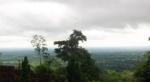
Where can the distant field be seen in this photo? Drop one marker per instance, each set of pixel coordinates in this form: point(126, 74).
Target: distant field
point(118, 59)
point(106, 58)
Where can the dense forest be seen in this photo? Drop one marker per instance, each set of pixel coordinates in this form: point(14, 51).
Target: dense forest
point(70, 62)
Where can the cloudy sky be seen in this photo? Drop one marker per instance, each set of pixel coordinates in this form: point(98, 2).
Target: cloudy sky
point(106, 23)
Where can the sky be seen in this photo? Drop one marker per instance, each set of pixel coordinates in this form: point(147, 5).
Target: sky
point(106, 23)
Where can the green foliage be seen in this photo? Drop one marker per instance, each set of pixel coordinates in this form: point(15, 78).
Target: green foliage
point(127, 76)
point(66, 47)
point(54, 67)
point(81, 67)
point(74, 70)
point(25, 70)
point(113, 76)
point(58, 68)
point(143, 72)
point(60, 74)
point(42, 68)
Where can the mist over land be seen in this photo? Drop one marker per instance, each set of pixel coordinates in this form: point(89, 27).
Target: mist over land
point(112, 58)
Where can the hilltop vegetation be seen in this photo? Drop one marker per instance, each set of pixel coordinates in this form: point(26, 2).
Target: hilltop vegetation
point(72, 63)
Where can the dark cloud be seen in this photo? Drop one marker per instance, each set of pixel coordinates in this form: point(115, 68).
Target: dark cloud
point(25, 17)
point(88, 14)
point(110, 13)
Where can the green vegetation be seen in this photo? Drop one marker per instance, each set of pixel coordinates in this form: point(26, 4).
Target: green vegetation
point(81, 67)
point(143, 72)
point(25, 70)
point(73, 63)
point(113, 76)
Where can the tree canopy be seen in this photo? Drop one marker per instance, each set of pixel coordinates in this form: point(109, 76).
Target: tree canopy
point(39, 43)
point(81, 67)
point(25, 70)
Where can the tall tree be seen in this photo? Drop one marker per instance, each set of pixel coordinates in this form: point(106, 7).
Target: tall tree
point(66, 47)
point(81, 67)
point(39, 43)
point(25, 70)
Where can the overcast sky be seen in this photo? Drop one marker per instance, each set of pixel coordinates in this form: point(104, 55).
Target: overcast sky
point(106, 23)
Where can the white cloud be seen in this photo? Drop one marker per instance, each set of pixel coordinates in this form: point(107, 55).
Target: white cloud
point(127, 37)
